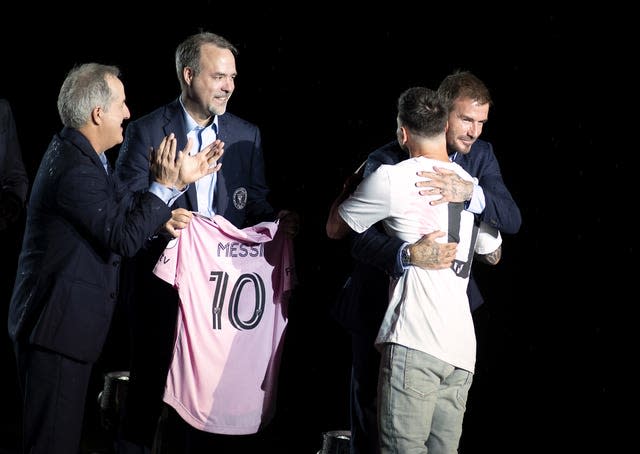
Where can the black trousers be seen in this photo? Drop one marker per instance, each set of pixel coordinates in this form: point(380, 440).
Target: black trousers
point(54, 389)
point(175, 436)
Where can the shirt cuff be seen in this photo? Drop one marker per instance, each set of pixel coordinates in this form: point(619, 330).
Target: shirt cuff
point(167, 195)
point(477, 203)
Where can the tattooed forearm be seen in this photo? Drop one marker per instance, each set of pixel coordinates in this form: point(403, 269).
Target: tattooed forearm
point(491, 258)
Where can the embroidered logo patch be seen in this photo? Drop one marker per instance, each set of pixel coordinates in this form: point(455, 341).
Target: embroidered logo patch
point(240, 198)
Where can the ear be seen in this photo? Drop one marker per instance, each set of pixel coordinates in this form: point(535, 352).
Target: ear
point(404, 135)
point(96, 115)
point(187, 75)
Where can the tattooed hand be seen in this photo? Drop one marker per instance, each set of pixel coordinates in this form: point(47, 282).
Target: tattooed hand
point(429, 254)
point(446, 183)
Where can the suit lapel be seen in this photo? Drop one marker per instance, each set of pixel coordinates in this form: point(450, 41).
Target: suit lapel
point(174, 123)
point(226, 134)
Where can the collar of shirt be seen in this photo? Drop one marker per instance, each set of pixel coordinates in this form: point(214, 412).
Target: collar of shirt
point(105, 162)
point(201, 135)
point(191, 123)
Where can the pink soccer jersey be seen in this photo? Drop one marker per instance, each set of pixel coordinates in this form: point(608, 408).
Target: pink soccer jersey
point(233, 286)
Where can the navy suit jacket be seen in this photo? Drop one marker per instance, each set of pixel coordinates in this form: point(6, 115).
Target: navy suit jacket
point(240, 196)
point(241, 189)
point(240, 193)
point(363, 300)
point(80, 221)
point(152, 304)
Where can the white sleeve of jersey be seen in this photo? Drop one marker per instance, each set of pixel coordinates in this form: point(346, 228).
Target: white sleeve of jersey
point(488, 240)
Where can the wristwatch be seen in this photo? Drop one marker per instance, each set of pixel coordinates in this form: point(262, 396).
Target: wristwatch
point(405, 255)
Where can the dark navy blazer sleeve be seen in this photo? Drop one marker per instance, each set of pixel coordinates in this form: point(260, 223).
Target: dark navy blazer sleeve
point(120, 224)
point(501, 210)
point(132, 165)
point(80, 222)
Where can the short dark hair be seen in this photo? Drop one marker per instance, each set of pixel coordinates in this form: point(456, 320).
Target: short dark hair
point(423, 111)
point(188, 51)
point(463, 84)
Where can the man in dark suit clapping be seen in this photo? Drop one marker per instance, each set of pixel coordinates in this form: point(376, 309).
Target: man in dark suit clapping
point(80, 222)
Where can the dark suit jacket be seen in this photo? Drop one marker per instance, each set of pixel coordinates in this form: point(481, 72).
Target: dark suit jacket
point(241, 189)
point(363, 300)
point(79, 222)
point(240, 196)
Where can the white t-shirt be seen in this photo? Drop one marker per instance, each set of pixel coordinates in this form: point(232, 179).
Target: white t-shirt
point(233, 286)
point(428, 309)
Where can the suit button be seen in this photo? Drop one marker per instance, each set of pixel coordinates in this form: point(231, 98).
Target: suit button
point(112, 295)
point(116, 263)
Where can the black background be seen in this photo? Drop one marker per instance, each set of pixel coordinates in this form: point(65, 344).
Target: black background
point(555, 358)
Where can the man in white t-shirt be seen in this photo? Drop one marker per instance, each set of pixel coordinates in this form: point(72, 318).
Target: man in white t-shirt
point(427, 337)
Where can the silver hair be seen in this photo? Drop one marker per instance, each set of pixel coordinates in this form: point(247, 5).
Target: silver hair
point(84, 89)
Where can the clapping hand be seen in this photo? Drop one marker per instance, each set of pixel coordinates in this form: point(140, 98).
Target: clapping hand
point(176, 169)
point(163, 164)
point(200, 164)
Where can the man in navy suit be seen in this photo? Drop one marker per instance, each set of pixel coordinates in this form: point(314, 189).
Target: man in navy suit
point(364, 297)
point(206, 70)
point(80, 221)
